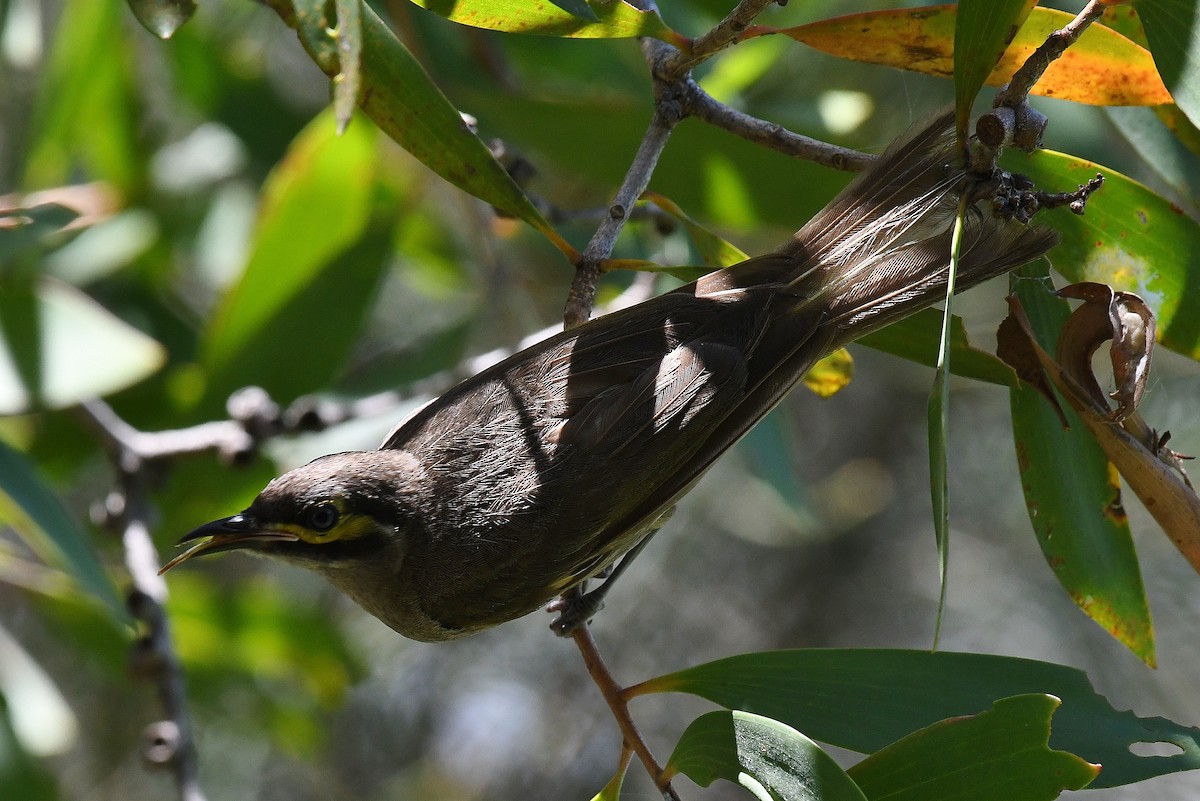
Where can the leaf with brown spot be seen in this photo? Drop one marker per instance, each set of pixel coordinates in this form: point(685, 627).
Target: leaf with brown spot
point(1152, 471)
point(1106, 315)
point(1102, 68)
point(1072, 491)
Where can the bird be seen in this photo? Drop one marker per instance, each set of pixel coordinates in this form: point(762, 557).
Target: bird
point(556, 465)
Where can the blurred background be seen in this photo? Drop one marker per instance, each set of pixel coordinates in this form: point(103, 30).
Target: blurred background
point(815, 531)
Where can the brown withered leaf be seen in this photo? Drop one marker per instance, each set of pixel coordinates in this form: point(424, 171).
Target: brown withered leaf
point(1017, 348)
point(1153, 472)
point(1107, 314)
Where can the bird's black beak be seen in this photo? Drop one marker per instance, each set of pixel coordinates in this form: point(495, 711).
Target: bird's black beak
point(227, 534)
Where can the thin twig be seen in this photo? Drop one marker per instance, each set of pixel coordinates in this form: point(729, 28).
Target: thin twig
point(170, 742)
point(582, 294)
point(1012, 120)
point(726, 32)
point(612, 695)
point(670, 69)
point(772, 135)
point(224, 436)
point(1017, 91)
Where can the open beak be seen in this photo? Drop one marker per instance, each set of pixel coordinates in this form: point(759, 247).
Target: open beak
point(227, 534)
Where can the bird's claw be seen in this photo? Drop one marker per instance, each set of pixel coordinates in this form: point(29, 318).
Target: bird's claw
point(575, 610)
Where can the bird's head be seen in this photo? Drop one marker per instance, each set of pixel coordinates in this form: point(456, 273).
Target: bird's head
point(335, 511)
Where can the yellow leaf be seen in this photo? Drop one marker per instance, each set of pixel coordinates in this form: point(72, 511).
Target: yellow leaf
point(1103, 68)
point(829, 375)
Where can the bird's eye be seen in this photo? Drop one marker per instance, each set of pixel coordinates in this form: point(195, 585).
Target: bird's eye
point(323, 517)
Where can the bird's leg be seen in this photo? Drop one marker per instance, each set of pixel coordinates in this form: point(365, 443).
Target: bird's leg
point(576, 608)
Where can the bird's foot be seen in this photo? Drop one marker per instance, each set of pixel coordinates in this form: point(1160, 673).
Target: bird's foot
point(575, 610)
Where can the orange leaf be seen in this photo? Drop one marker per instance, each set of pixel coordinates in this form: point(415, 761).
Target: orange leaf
point(1103, 68)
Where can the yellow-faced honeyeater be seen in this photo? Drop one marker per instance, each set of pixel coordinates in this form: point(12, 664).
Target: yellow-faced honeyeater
point(546, 469)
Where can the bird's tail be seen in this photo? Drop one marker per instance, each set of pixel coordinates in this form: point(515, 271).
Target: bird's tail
point(880, 250)
point(877, 253)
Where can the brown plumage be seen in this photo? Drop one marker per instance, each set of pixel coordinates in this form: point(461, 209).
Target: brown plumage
point(544, 469)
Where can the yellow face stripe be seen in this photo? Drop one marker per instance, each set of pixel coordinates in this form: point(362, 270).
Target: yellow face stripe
point(349, 527)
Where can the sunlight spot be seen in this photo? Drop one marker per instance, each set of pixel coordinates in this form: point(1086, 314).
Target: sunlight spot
point(843, 111)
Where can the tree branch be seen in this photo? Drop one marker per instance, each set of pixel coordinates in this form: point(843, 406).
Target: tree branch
point(169, 743)
point(772, 135)
point(667, 113)
point(612, 695)
point(1023, 80)
point(670, 69)
point(726, 32)
point(1012, 119)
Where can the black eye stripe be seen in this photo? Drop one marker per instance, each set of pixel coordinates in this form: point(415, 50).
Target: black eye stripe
point(323, 517)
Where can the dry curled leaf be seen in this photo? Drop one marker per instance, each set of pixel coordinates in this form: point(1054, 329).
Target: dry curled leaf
point(1153, 472)
point(1107, 314)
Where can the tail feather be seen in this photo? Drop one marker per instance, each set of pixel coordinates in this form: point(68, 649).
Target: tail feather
point(877, 253)
point(880, 250)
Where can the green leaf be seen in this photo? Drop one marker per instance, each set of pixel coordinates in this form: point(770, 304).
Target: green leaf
point(1073, 495)
point(1173, 33)
point(715, 251)
point(916, 338)
point(938, 412)
point(349, 50)
point(612, 790)
point(33, 509)
point(1129, 238)
point(59, 347)
point(398, 95)
point(769, 759)
point(863, 699)
point(22, 229)
point(319, 251)
point(287, 659)
point(939, 486)
point(86, 123)
point(1161, 149)
point(162, 17)
point(997, 755)
point(983, 30)
point(578, 8)
point(614, 19)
